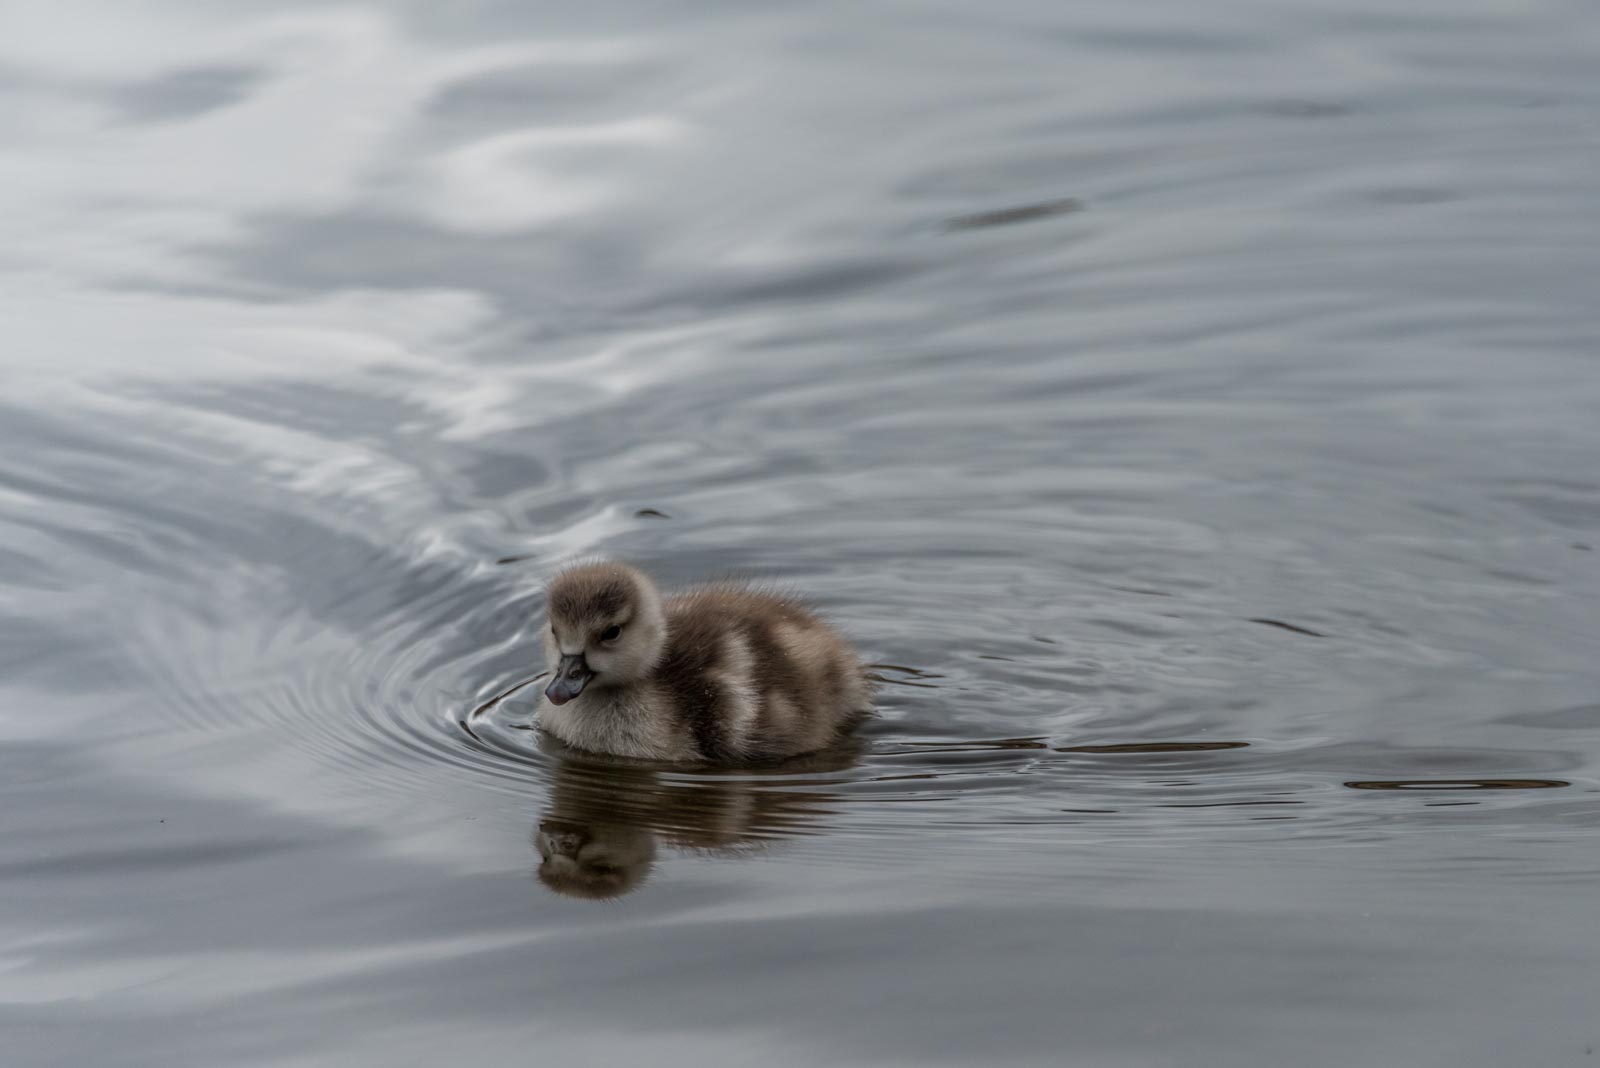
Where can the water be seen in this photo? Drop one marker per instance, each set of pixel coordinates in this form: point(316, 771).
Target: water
point(1190, 410)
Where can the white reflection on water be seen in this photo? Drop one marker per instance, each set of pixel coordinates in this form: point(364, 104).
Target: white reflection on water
point(1193, 411)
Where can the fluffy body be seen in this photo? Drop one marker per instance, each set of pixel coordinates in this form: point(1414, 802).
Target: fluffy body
point(721, 673)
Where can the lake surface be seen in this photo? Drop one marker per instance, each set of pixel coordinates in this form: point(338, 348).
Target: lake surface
point(1192, 410)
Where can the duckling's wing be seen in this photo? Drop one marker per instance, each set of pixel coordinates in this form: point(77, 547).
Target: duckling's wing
point(756, 675)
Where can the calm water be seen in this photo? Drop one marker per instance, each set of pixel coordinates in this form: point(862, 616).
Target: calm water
point(1192, 409)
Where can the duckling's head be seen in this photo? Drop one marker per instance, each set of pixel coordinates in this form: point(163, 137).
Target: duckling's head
point(606, 629)
point(596, 860)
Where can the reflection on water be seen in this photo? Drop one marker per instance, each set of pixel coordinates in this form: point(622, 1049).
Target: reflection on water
point(602, 859)
point(1190, 408)
point(602, 822)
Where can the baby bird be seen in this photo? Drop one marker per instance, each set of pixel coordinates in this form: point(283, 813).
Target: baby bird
point(721, 673)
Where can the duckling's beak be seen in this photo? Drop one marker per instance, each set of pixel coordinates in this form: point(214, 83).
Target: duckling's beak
point(572, 675)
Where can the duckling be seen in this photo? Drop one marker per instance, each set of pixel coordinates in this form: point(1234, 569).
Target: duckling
point(721, 673)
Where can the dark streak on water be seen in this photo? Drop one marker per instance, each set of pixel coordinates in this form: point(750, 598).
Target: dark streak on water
point(1152, 747)
point(1290, 627)
point(332, 331)
point(1458, 784)
point(1012, 216)
point(503, 694)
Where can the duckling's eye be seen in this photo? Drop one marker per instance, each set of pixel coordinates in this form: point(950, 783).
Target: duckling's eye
point(611, 633)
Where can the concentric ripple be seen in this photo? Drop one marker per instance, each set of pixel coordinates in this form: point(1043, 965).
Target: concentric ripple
point(401, 665)
point(1189, 410)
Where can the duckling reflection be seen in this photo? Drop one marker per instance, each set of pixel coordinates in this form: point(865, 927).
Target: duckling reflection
point(604, 823)
point(594, 860)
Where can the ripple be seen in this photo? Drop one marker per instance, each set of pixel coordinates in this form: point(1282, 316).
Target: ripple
point(286, 451)
point(1457, 784)
point(1012, 216)
point(502, 695)
point(1291, 627)
point(401, 669)
point(1152, 747)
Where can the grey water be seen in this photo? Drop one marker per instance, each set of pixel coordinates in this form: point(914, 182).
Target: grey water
point(1191, 410)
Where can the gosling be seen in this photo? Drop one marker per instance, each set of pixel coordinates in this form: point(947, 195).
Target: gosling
point(722, 673)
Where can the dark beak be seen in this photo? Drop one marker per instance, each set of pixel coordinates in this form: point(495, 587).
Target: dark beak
point(572, 675)
point(561, 839)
